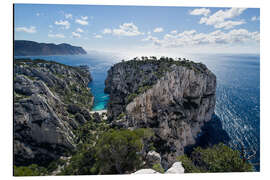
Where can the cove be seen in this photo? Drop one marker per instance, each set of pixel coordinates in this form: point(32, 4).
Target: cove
point(97, 88)
point(98, 66)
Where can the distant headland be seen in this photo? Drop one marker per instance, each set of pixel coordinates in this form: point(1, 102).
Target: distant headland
point(32, 48)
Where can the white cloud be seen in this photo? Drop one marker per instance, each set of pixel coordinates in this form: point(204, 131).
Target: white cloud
point(83, 21)
point(218, 19)
point(84, 17)
point(127, 29)
point(174, 32)
point(77, 35)
point(158, 29)
point(255, 18)
point(68, 16)
point(37, 14)
point(65, 24)
point(98, 36)
point(150, 38)
point(56, 35)
point(200, 11)
point(79, 30)
point(193, 38)
point(229, 24)
point(107, 31)
point(31, 29)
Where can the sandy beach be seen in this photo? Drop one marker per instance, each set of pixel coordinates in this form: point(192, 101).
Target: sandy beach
point(99, 112)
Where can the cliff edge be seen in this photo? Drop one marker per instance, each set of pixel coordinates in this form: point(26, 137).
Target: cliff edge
point(173, 97)
point(51, 100)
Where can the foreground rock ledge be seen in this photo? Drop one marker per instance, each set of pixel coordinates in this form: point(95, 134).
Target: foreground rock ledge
point(176, 168)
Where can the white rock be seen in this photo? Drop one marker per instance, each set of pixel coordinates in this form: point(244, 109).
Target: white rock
point(146, 171)
point(153, 157)
point(176, 168)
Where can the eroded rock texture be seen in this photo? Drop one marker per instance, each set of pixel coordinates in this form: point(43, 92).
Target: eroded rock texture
point(174, 98)
point(51, 100)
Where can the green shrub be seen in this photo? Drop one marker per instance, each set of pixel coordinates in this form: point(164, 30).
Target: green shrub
point(188, 164)
point(145, 133)
point(120, 116)
point(143, 89)
point(219, 158)
point(131, 97)
point(31, 170)
point(117, 152)
point(157, 167)
point(82, 162)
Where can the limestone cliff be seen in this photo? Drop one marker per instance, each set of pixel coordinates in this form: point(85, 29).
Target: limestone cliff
point(51, 100)
point(173, 97)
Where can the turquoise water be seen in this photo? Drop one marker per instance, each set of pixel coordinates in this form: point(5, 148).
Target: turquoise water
point(97, 87)
point(98, 64)
point(238, 92)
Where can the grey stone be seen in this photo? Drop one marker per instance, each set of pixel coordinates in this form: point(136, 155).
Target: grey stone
point(176, 168)
point(43, 129)
point(152, 158)
point(146, 171)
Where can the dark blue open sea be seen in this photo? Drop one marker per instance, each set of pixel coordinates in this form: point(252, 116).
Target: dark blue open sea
point(238, 92)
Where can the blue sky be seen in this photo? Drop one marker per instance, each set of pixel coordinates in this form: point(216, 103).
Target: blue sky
point(141, 29)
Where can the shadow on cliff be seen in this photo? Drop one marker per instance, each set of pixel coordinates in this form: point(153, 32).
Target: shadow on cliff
point(212, 133)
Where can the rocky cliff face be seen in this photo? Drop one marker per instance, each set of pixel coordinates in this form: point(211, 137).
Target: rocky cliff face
point(174, 98)
point(31, 48)
point(51, 100)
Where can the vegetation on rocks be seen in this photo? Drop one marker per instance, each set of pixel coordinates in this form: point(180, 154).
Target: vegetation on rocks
point(51, 101)
point(56, 95)
point(31, 170)
point(113, 151)
point(174, 97)
point(140, 74)
point(157, 167)
point(219, 158)
point(117, 151)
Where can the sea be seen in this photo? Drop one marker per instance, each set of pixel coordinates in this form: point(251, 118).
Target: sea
point(238, 91)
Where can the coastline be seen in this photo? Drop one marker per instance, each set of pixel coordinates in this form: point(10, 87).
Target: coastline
point(99, 111)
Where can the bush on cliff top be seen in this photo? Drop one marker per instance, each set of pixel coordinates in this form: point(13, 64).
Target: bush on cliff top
point(118, 151)
point(82, 162)
point(114, 152)
point(31, 170)
point(219, 158)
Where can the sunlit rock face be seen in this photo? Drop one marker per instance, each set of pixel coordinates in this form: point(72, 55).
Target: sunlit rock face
point(175, 104)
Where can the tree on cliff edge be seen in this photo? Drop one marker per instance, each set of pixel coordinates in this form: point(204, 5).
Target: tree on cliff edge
point(219, 158)
point(117, 151)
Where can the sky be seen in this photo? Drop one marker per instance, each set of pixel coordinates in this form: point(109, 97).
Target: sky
point(143, 30)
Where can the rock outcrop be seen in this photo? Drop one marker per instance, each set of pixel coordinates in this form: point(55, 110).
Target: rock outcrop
point(174, 98)
point(176, 168)
point(51, 100)
point(31, 48)
point(146, 171)
point(152, 158)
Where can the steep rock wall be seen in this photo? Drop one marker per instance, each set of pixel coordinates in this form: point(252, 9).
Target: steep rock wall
point(47, 100)
point(175, 106)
